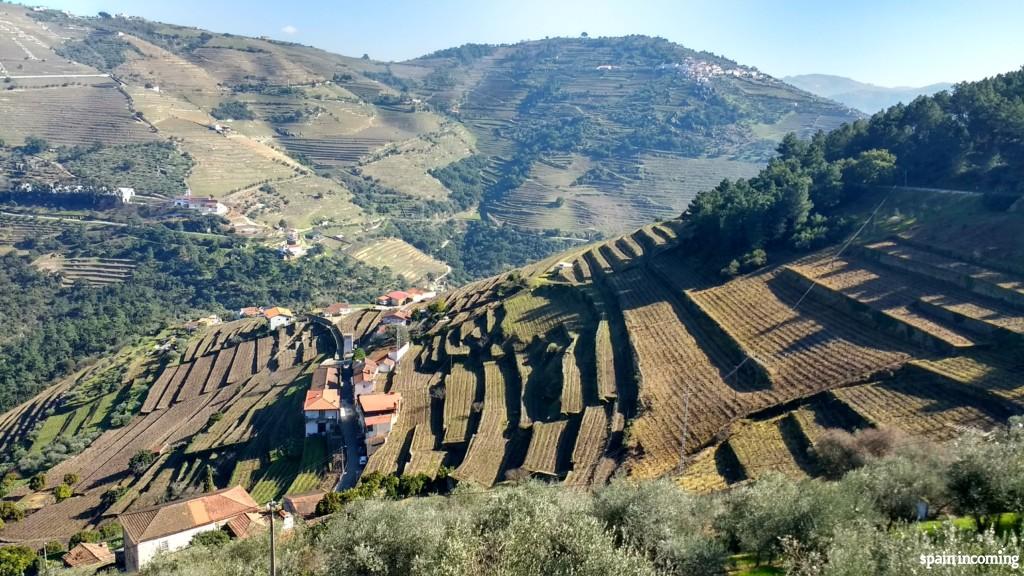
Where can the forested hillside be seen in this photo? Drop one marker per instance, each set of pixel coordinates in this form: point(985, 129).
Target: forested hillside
point(174, 275)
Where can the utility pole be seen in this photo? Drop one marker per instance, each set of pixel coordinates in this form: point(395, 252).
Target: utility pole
point(272, 508)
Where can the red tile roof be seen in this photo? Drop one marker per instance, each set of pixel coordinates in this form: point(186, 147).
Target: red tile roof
point(86, 554)
point(322, 399)
point(324, 376)
point(397, 295)
point(403, 314)
point(378, 419)
point(380, 402)
point(182, 515)
point(243, 525)
point(337, 308)
point(303, 504)
point(277, 311)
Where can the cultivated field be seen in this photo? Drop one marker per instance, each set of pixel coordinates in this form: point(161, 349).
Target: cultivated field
point(402, 258)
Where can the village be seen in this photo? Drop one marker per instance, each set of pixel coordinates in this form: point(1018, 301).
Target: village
point(346, 403)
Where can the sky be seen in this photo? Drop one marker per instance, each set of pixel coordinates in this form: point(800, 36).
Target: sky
point(884, 42)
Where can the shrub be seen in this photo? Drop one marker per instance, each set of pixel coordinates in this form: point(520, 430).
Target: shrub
point(62, 492)
point(213, 538)
point(71, 478)
point(837, 451)
point(141, 461)
point(90, 536)
point(15, 560)
point(11, 511)
point(111, 531)
point(38, 482)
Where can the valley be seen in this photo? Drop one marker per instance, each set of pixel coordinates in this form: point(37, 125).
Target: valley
point(574, 305)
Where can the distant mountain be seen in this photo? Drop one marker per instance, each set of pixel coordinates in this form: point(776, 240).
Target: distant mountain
point(865, 97)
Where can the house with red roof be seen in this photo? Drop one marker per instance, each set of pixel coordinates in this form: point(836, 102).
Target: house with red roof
point(325, 376)
point(363, 376)
point(171, 526)
point(419, 294)
point(92, 555)
point(393, 298)
point(322, 410)
point(278, 316)
point(250, 312)
point(377, 416)
point(337, 309)
point(395, 318)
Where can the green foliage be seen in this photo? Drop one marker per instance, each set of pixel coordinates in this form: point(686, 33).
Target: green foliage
point(177, 276)
point(942, 140)
point(111, 496)
point(211, 538)
point(11, 511)
point(232, 110)
point(141, 461)
point(38, 482)
point(811, 527)
point(209, 485)
point(53, 548)
point(438, 306)
point(151, 167)
point(358, 355)
point(15, 560)
point(33, 145)
point(100, 49)
point(89, 536)
point(465, 180)
point(466, 53)
point(111, 531)
point(331, 503)
point(62, 492)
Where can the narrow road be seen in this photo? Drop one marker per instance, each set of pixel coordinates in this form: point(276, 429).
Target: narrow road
point(350, 431)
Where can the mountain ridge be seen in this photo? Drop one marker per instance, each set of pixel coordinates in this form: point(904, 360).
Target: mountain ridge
point(863, 96)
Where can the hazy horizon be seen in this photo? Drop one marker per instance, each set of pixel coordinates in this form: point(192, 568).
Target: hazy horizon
point(919, 43)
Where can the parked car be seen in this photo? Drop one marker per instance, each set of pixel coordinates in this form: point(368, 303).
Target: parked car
point(362, 460)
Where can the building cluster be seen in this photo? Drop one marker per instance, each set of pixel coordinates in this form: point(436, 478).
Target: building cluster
point(398, 298)
point(202, 205)
point(702, 70)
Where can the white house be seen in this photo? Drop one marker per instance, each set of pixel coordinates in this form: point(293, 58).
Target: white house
point(397, 353)
point(377, 416)
point(363, 377)
point(169, 527)
point(322, 410)
point(394, 318)
point(126, 195)
point(202, 205)
point(338, 309)
point(419, 294)
point(278, 316)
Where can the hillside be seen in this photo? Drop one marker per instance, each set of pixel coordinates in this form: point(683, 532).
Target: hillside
point(561, 139)
point(720, 346)
point(867, 98)
point(629, 357)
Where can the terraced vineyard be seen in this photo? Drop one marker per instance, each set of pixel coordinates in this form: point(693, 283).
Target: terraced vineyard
point(404, 259)
point(848, 342)
point(183, 416)
point(71, 116)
